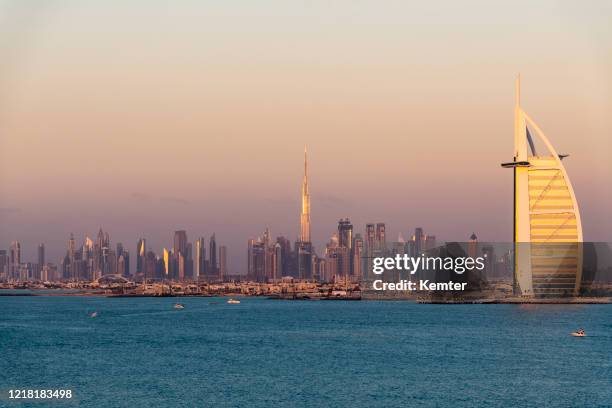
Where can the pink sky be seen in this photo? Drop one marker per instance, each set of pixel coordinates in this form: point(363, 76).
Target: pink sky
point(146, 118)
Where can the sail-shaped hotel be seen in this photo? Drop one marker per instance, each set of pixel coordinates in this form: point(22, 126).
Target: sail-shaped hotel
point(547, 227)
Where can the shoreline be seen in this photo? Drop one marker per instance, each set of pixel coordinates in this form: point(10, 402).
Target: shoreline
point(510, 300)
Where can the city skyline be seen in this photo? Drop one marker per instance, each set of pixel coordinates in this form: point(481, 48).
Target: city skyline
point(190, 118)
point(182, 262)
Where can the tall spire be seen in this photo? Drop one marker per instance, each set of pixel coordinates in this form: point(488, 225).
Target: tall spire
point(305, 217)
point(517, 90)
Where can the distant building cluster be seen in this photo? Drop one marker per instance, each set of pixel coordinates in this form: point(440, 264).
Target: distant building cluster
point(91, 260)
point(346, 258)
point(13, 269)
point(184, 261)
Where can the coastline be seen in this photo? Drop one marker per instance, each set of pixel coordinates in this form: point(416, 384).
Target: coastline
point(308, 297)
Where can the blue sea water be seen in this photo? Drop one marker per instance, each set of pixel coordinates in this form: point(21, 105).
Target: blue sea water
point(140, 352)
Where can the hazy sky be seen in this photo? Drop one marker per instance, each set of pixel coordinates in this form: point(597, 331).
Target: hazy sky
point(148, 116)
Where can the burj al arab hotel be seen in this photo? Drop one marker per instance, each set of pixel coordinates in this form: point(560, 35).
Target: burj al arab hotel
point(547, 227)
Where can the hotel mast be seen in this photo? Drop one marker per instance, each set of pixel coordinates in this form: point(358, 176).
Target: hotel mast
point(547, 227)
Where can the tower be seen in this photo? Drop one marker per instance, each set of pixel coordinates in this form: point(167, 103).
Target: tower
point(14, 259)
point(140, 255)
point(547, 227)
point(180, 242)
point(222, 262)
point(212, 255)
point(200, 259)
point(303, 246)
point(305, 217)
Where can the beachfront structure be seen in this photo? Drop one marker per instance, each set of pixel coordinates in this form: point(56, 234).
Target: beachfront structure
point(547, 227)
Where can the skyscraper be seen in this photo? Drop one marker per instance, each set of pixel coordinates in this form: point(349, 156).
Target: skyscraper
point(180, 242)
point(257, 261)
point(304, 250)
point(345, 233)
point(167, 259)
point(4, 263)
point(473, 246)
point(141, 250)
point(305, 216)
point(381, 236)
point(357, 257)
point(345, 245)
point(14, 259)
point(41, 259)
point(419, 238)
point(370, 236)
point(200, 259)
point(222, 262)
point(212, 254)
point(547, 226)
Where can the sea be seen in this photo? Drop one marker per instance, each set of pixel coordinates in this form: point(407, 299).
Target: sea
point(142, 352)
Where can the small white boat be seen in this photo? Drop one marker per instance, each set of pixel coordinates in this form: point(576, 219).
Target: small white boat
point(179, 306)
point(233, 301)
point(579, 333)
point(94, 314)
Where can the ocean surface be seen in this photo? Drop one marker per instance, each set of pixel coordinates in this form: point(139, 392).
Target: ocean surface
point(140, 352)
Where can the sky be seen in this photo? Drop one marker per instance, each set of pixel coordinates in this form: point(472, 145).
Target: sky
point(144, 117)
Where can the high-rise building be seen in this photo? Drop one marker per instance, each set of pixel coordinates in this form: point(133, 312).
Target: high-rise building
point(222, 262)
point(14, 259)
point(277, 269)
point(141, 250)
point(212, 254)
point(287, 257)
point(345, 245)
point(473, 246)
point(40, 261)
point(181, 266)
point(303, 248)
point(4, 263)
point(418, 238)
point(123, 269)
point(305, 216)
point(257, 262)
point(370, 236)
point(337, 261)
point(345, 233)
point(547, 226)
point(41, 255)
point(357, 257)
point(200, 259)
point(150, 266)
point(167, 259)
point(304, 253)
point(72, 246)
point(381, 236)
point(180, 242)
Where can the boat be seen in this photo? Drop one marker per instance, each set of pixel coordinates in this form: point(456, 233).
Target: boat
point(94, 314)
point(179, 306)
point(579, 333)
point(233, 301)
